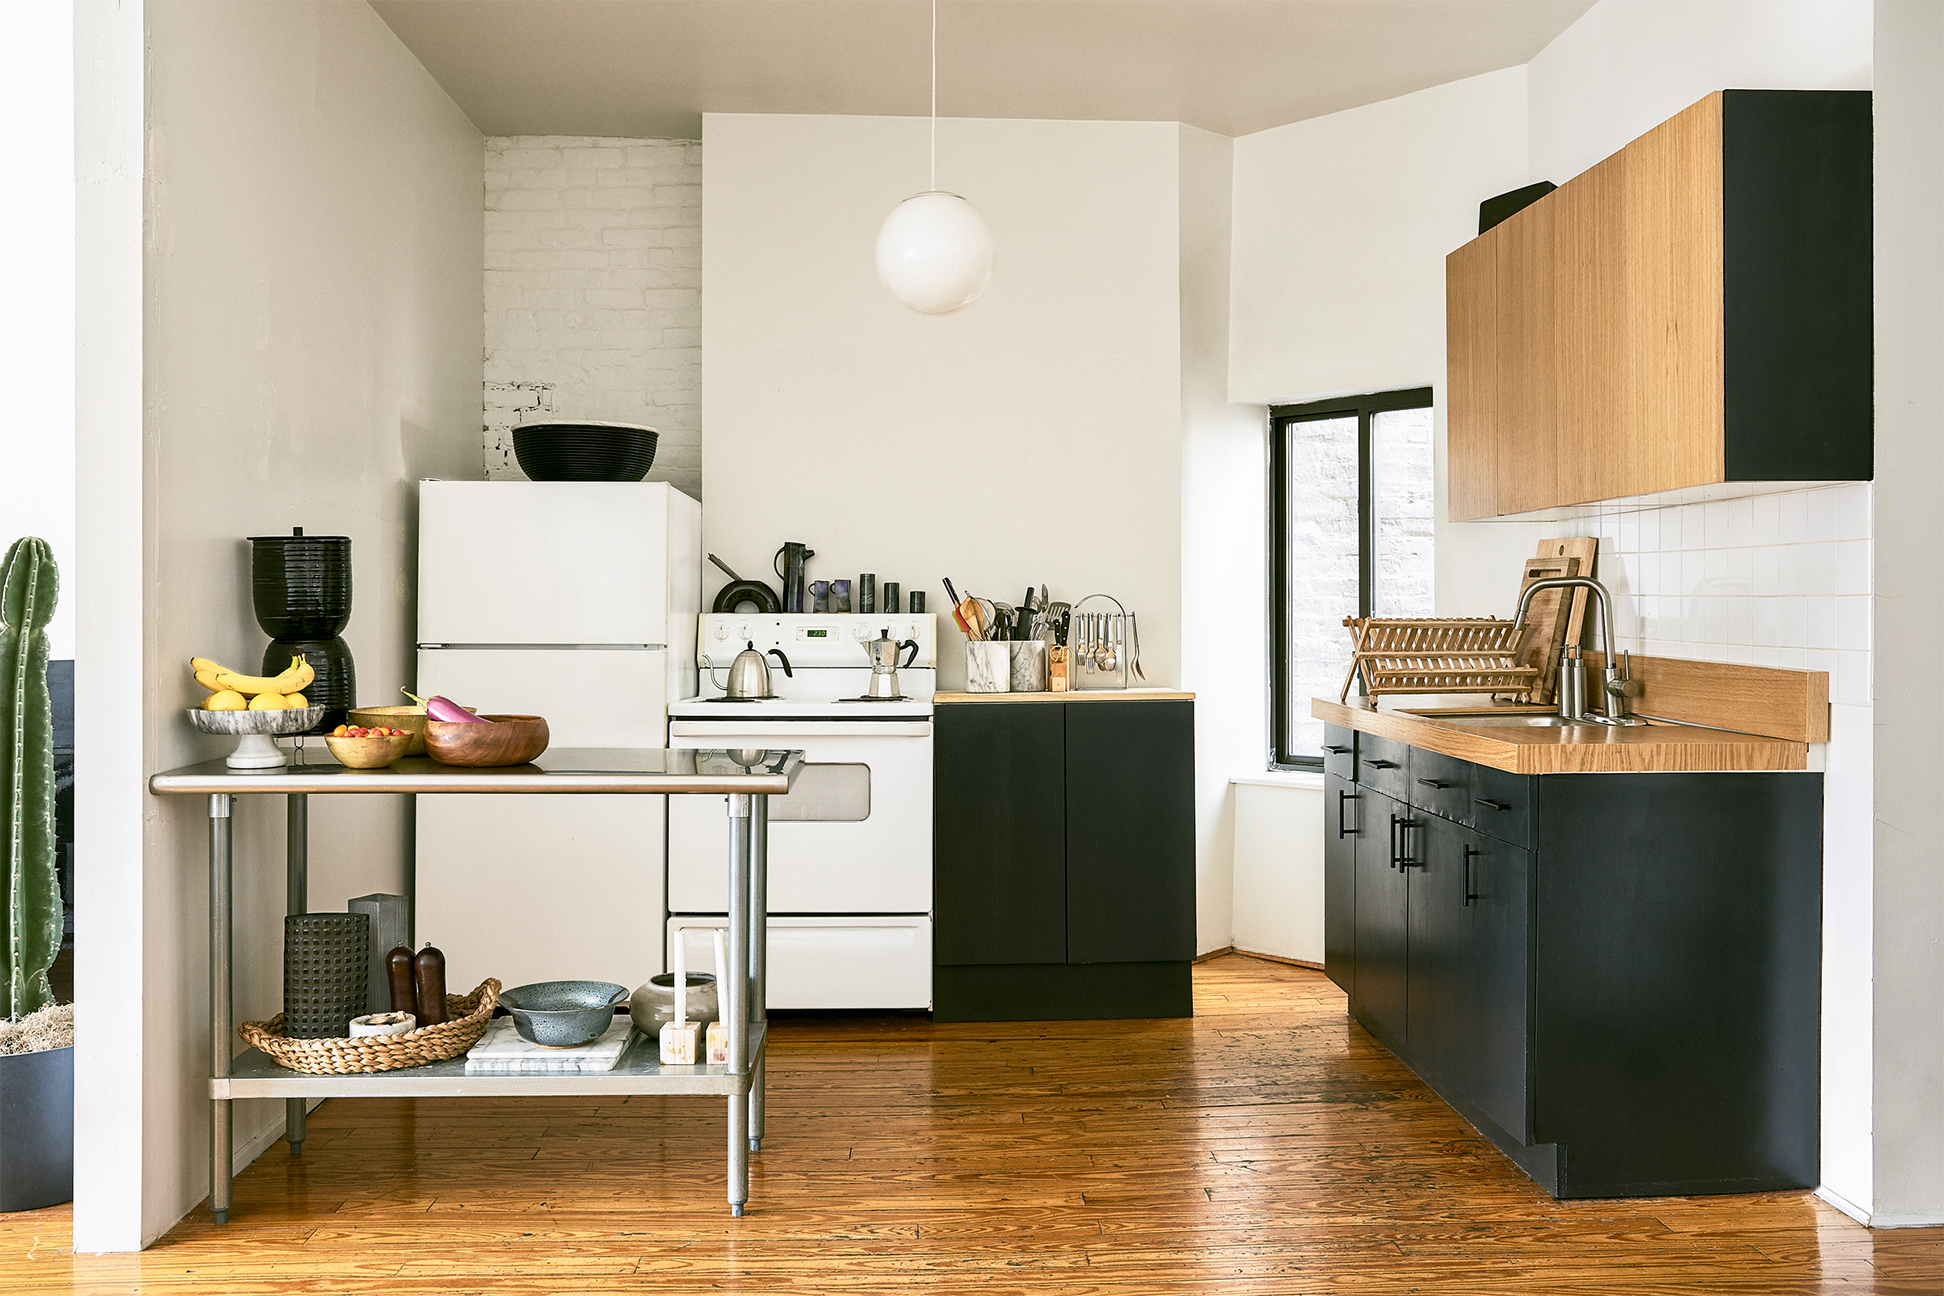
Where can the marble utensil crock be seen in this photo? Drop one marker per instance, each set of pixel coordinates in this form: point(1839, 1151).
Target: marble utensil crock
point(988, 666)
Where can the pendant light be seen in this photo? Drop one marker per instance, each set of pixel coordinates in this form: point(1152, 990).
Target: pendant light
point(934, 251)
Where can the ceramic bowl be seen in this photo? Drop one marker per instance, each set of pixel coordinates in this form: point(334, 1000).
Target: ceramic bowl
point(409, 718)
point(653, 1001)
point(368, 753)
point(509, 740)
point(238, 723)
point(562, 1014)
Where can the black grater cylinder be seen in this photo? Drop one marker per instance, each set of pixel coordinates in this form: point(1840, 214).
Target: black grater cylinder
point(327, 964)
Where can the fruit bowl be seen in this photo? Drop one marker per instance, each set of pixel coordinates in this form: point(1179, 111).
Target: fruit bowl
point(257, 729)
point(509, 740)
point(369, 753)
point(409, 718)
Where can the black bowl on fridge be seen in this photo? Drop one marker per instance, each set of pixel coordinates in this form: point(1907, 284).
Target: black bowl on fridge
point(585, 452)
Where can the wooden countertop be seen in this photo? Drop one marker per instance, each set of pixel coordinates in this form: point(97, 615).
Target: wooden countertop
point(1071, 695)
point(1570, 749)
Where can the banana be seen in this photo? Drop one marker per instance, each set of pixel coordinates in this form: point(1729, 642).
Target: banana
point(267, 702)
point(202, 664)
point(207, 679)
point(293, 680)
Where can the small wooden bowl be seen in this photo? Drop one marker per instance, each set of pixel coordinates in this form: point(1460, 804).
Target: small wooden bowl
point(509, 740)
point(409, 718)
point(368, 753)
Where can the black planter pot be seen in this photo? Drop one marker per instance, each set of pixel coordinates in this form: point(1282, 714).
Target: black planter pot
point(36, 1129)
point(301, 585)
point(336, 686)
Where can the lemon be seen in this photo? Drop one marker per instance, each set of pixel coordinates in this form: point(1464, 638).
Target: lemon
point(225, 700)
point(267, 702)
point(296, 701)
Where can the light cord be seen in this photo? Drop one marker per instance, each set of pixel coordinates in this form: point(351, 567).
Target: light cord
point(934, 115)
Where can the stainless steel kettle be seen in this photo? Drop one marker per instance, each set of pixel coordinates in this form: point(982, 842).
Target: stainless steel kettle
point(749, 673)
point(883, 652)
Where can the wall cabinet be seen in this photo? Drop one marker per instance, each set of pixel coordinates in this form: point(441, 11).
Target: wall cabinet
point(1694, 309)
point(1063, 860)
point(1613, 976)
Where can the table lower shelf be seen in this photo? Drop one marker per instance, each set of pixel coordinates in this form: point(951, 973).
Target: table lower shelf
point(254, 1075)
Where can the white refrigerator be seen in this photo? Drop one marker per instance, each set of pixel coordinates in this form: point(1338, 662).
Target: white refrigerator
point(576, 601)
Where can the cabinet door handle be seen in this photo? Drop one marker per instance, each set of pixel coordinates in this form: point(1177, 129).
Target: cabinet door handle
point(1404, 859)
point(1470, 895)
point(1439, 784)
point(1489, 804)
point(1381, 764)
point(1393, 841)
point(1342, 797)
point(1336, 751)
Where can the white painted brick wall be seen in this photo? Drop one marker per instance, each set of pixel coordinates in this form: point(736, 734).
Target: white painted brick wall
point(594, 291)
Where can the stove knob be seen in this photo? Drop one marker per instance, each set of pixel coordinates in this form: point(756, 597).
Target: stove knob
point(863, 634)
point(742, 631)
point(721, 631)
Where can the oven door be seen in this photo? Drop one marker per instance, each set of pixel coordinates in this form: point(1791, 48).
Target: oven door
point(853, 836)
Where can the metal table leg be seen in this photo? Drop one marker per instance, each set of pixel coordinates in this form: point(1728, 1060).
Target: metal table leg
point(758, 954)
point(297, 870)
point(220, 1024)
point(735, 1008)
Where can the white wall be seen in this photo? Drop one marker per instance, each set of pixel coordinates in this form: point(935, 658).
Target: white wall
point(1224, 644)
point(1279, 827)
point(37, 283)
point(1342, 225)
point(594, 292)
point(313, 312)
point(1033, 437)
point(1908, 1011)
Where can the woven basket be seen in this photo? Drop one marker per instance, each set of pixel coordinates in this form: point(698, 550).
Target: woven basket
point(468, 1018)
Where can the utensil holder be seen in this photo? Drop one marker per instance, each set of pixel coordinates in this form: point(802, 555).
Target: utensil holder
point(988, 666)
point(1027, 660)
point(327, 965)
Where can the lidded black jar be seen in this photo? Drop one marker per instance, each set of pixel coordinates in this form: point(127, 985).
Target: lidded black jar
point(300, 587)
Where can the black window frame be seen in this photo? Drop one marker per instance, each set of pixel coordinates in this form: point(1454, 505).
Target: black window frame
point(1280, 418)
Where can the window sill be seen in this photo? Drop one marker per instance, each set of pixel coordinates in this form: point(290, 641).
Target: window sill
point(1281, 779)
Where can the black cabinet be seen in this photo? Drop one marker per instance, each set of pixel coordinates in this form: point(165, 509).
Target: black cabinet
point(1343, 817)
point(1615, 977)
point(1064, 860)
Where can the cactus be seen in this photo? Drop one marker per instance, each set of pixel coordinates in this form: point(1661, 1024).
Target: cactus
point(29, 586)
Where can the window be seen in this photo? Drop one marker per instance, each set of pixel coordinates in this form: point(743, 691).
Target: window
point(1350, 534)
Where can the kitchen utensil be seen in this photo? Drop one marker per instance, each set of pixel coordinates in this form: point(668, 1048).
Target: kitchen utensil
point(585, 451)
point(653, 1001)
point(256, 729)
point(883, 652)
point(1106, 647)
point(428, 984)
point(739, 591)
point(788, 564)
point(988, 622)
point(326, 965)
point(509, 740)
point(1002, 622)
point(749, 673)
point(563, 1014)
point(988, 667)
point(368, 753)
point(867, 592)
point(889, 597)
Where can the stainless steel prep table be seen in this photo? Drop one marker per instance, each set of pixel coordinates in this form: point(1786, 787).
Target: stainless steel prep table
point(747, 778)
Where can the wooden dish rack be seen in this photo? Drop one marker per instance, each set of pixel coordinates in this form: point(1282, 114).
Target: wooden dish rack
point(1436, 655)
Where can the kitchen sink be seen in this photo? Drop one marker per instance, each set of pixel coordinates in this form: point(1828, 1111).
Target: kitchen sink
point(1523, 720)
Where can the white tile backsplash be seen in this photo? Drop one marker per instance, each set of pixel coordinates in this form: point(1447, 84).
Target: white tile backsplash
point(1765, 580)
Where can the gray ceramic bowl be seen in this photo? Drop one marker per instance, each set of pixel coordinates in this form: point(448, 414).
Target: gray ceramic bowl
point(562, 1014)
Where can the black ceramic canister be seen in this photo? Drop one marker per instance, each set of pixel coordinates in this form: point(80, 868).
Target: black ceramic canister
point(300, 587)
point(890, 596)
point(917, 601)
point(867, 592)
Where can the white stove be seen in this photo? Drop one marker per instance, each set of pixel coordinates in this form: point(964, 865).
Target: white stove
point(850, 847)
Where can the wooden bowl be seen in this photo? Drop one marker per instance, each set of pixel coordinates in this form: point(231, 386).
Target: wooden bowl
point(509, 740)
point(409, 718)
point(368, 753)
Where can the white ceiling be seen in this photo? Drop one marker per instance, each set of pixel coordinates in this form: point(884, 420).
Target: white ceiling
point(651, 68)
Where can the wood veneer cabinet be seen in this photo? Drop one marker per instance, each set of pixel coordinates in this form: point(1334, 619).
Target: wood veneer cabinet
point(1695, 309)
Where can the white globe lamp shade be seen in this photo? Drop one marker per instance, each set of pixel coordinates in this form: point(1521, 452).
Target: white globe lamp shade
point(934, 253)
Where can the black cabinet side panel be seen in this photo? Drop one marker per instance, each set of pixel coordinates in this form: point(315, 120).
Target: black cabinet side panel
point(1342, 806)
point(1130, 831)
point(1382, 894)
point(1677, 981)
point(999, 833)
point(1797, 290)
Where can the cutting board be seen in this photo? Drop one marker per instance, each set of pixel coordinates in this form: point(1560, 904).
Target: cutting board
point(1556, 618)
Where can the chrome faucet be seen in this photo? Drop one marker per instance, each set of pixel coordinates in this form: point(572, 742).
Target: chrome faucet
point(1617, 682)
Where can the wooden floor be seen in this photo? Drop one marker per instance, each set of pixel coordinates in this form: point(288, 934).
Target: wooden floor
point(1266, 1146)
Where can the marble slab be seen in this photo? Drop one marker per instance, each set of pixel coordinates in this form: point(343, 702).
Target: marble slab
point(501, 1051)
